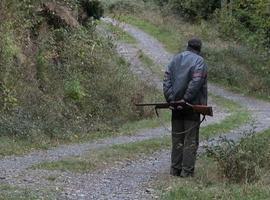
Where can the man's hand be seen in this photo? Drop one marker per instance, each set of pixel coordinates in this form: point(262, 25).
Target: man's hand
point(182, 101)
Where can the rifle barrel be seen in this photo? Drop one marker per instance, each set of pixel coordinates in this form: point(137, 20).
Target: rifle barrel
point(202, 109)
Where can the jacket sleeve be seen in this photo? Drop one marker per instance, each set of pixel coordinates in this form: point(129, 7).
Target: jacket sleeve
point(167, 83)
point(198, 78)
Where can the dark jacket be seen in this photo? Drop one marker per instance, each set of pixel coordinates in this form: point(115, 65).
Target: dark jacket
point(186, 78)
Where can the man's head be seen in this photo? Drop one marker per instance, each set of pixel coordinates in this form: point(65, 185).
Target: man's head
point(195, 44)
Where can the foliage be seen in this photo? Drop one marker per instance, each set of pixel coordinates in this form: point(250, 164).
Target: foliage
point(93, 8)
point(192, 9)
point(58, 81)
point(124, 6)
point(247, 22)
point(241, 162)
point(200, 191)
point(255, 16)
point(74, 90)
point(235, 65)
point(244, 20)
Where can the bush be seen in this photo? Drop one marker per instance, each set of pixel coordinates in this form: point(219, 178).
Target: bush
point(60, 81)
point(246, 22)
point(123, 6)
point(241, 162)
point(74, 90)
point(255, 17)
point(93, 8)
point(194, 9)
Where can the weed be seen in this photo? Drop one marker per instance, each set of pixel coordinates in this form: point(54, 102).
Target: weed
point(207, 184)
point(241, 162)
point(74, 90)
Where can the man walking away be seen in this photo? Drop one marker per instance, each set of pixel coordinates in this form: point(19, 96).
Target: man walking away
point(185, 80)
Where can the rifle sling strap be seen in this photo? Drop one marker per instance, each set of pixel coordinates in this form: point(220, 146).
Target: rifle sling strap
point(179, 133)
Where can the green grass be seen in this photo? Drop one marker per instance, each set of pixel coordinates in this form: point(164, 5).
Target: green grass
point(208, 184)
point(192, 190)
point(23, 145)
point(119, 34)
point(149, 63)
point(129, 128)
point(8, 192)
point(232, 65)
point(106, 157)
point(238, 116)
point(19, 145)
point(170, 39)
point(116, 153)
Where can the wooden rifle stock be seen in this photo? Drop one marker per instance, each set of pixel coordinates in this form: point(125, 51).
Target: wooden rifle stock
point(202, 109)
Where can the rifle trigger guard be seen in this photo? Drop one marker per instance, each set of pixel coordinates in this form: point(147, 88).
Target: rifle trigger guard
point(156, 110)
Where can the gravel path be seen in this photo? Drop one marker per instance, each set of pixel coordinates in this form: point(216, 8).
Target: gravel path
point(128, 180)
point(155, 50)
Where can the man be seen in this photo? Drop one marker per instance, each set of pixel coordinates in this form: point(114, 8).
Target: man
point(186, 81)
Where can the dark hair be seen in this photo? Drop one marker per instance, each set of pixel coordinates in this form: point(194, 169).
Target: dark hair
point(195, 44)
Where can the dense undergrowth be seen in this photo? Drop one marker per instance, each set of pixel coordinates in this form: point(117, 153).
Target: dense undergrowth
point(241, 64)
point(59, 79)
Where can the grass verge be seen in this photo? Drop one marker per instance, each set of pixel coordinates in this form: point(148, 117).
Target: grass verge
point(14, 193)
point(232, 65)
point(149, 63)
point(238, 117)
point(118, 153)
point(170, 39)
point(119, 34)
point(102, 158)
point(208, 184)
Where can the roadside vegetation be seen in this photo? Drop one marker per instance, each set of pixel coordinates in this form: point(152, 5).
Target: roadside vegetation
point(13, 193)
point(117, 33)
point(61, 80)
point(149, 64)
point(236, 46)
point(230, 171)
point(117, 154)
point(238, 116)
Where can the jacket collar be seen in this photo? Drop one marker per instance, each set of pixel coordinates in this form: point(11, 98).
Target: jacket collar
point(193, 51)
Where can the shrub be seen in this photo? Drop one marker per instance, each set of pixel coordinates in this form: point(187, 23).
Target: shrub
point(60, 81)
point(194, 9)
point(247, 22)
point(74, 90)
point(255, 17)
point(241, 162)
point(123, 6)
point(93, 8)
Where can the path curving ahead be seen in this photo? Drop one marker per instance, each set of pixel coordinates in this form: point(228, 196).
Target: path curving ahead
point(260, 110)
point(129, 180)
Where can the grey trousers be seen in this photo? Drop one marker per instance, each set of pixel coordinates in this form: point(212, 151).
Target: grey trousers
point(184, 146)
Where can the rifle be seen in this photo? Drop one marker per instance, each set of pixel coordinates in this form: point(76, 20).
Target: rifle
point(202, 109)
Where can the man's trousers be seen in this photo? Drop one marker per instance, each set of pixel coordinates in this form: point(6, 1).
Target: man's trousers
point(185, 142)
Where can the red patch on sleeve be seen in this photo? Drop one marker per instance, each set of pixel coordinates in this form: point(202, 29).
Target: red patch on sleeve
point(203, 75)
